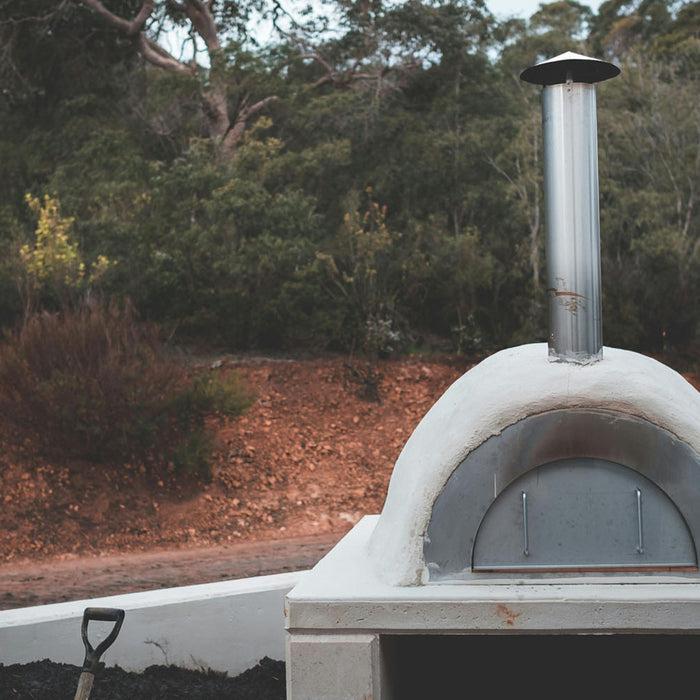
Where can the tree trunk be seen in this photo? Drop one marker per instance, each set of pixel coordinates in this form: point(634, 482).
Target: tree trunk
point(221, 127)
point(216, 113)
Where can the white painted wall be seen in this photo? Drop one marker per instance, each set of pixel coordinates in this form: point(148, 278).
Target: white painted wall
point(225, 626)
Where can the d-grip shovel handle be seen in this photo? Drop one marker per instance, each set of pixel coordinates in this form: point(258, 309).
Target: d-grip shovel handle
point(92, 656)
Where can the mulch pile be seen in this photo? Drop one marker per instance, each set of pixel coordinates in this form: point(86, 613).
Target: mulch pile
point(46, 680)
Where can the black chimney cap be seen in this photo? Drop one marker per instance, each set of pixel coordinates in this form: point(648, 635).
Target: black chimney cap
point(569, 65)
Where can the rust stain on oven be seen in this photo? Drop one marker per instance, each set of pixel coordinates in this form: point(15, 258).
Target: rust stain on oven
point(509, 617)
point(571, 301)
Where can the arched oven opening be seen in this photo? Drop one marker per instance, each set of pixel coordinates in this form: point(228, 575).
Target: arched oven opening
point(569, 491)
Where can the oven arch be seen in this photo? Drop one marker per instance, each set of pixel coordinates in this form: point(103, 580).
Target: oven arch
point(618, 444)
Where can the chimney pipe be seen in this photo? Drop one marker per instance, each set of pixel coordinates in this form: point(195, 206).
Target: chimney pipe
point(571, 196)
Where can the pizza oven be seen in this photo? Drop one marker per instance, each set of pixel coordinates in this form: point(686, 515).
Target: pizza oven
point(549, 502)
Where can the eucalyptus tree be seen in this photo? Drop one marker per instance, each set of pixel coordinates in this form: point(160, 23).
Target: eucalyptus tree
point(621, 25)
point(650, 215)
point(213, 34)
point(422, 90)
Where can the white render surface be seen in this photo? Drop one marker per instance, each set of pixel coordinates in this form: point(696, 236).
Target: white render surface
point(333, 667)
point(225, 626)
point(503, 389)
point(344, 595)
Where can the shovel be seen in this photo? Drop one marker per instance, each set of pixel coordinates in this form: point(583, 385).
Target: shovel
point(91, 665)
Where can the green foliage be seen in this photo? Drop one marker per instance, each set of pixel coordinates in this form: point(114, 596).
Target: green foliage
point(362, 279)
point(621, 26)
point(651, 164)
point(204, 396)
point(212, 394)
point(52, 263)
point(96, 384)
point(267, 243)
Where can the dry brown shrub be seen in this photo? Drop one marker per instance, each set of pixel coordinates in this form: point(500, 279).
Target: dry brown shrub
point(97, 384)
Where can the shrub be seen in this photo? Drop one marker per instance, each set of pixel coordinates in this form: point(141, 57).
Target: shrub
point(364, 280)
point(97, 384)
point(53, 265)
point(203, 396)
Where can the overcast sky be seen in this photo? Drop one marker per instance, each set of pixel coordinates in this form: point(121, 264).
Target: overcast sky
point(526, 8)
point(500, 8)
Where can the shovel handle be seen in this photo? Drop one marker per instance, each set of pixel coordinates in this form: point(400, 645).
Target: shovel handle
point(84, 686)
point(92, 656)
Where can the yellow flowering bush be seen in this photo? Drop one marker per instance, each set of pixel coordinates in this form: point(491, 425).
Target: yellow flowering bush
point(53, 262)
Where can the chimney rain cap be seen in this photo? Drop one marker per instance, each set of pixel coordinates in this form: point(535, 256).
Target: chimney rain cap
point(580, 69)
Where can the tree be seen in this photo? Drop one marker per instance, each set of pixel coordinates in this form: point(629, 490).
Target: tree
point(683, 35)
point(59, 77)
point(382, 43)
point(228, 103)
point(650, 219)
point(622, 25)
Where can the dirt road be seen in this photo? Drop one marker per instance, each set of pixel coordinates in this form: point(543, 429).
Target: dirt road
point(59, 579)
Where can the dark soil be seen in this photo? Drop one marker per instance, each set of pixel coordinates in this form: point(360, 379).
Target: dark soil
point(46, 680)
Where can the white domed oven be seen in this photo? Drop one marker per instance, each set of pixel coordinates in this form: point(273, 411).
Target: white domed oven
point(548, 503)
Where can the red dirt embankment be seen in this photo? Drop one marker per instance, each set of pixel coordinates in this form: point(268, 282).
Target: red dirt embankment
point(312, 455)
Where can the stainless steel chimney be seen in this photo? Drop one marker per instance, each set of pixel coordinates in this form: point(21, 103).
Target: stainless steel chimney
point(571, 193)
